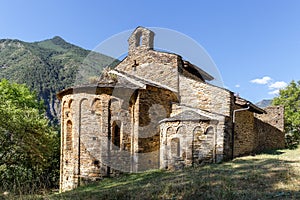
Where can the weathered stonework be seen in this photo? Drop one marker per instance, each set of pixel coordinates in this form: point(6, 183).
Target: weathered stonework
point(274, 117)
point(270, 128)
point(245, 136)
point(257, 132)
point(185, 143)
point(155, 110)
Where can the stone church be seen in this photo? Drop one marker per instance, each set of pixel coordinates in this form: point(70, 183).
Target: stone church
point(156, 110)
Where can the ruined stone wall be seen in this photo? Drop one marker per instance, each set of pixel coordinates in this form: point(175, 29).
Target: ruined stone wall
point(274, 116)
point(204, 96)
point(270, 137)
point(258, 132)
point(270, 128)
point(184, 143)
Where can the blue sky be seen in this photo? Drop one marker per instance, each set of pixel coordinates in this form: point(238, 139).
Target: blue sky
point(255, 44)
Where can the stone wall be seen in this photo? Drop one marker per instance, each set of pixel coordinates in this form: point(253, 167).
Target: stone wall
point(274, 116)
point(153, 66)
point(269, 136)
point(67, 179)
point(270, 128)
point(79, 162)
point(224, 130)
point(155, 105)
point(103, 134)
point(215, 102)
point(120, 134)
point(224, 139)
point(90, 120)
point(258, 132)
point(204, 96)
point(184, 143)
point(245, 137)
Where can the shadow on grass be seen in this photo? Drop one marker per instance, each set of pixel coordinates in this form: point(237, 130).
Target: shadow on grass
point(274, 152)
point(243, 178)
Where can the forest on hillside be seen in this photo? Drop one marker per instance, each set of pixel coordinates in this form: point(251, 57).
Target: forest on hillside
point(49, 66)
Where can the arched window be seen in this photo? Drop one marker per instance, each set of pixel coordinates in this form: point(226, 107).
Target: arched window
point(175, 147)
point(96, 106)
point(209, 131)
point(181, 130)
point(198, 131)
point(65, 105)
point(170, 131)
point(69, 136)
point(116, 134)
point(70, 103)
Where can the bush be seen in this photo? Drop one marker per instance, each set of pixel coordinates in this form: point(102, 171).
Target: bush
point(29, 146)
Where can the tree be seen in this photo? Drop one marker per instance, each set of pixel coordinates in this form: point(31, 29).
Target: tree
point(290, 99)
point(28, 145)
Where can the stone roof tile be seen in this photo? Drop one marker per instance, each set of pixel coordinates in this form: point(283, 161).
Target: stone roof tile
point(187, 116)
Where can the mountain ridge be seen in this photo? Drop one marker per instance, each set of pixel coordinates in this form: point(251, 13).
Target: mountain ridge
point(49, 66)
point(264, 103)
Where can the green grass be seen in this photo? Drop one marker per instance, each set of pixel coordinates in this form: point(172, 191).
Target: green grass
point(273, 175)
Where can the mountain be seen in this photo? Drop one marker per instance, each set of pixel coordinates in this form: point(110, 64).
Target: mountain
point(49, 66)
point(264, 103)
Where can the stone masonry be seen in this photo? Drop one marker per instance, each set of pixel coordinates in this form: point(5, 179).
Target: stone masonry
point(156, 110)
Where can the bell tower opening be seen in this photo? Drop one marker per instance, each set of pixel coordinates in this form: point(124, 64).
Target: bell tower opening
point(141, 39)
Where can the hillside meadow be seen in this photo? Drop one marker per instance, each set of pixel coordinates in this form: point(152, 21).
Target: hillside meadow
point(271, 175)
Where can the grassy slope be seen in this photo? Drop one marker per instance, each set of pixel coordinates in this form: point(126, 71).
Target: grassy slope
point(274, 175)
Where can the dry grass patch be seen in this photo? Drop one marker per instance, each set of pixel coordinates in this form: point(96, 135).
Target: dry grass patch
point(272, 175)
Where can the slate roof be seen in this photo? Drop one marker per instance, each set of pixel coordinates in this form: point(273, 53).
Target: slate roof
point(193, 69)
point(114, 79)
point(188, 115)
point(244, 103)
point(140, 80)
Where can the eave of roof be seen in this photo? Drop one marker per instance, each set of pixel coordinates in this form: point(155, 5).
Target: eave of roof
point(94, 89)
point(188, 115)
point(244, 103)
point(205, 75)
point(135, 79)
point(124, 81)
